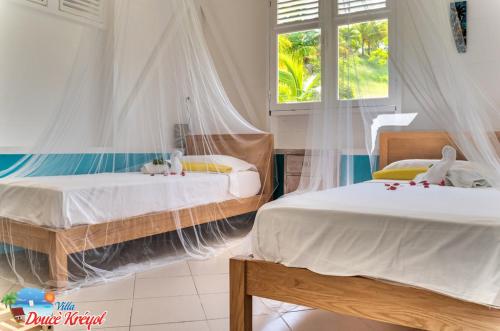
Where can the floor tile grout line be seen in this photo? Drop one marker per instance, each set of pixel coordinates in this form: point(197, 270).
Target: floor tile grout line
point(145, 298)
point(107, 300)
point(170, 323)
point(164, 277)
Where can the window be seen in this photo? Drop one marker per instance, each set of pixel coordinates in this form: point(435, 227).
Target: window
point(296, 55)
point(299, 67)
point(363, 53)
point(364, 40)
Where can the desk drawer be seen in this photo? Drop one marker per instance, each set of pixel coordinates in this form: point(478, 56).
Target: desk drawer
point(295, 164)
point(291, 183)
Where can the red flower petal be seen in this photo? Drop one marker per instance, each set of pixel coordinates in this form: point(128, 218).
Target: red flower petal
point(392, 188)
point(387, 184)
point(183, 173)
point(396, 184)
point(412, 183)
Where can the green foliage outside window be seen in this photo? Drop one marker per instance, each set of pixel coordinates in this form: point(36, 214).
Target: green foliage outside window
point(363, 60)
point(299, 67)
point(363, 70)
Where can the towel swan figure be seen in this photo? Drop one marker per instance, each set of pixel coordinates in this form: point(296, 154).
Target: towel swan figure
point(176, 162)
point(437, 172)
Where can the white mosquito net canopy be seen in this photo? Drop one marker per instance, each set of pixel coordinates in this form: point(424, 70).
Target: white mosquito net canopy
point(391, 66)
point(144, 160)
point(385, 65)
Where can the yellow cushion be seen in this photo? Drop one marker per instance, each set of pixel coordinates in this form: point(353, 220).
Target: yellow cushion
point(206, 167)
point(399, 174)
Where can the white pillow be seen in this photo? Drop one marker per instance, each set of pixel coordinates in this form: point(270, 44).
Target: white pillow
point(235, 163)
point(423, 163)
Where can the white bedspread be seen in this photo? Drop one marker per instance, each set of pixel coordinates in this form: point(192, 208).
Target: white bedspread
point(65, 201)
point(444, 239)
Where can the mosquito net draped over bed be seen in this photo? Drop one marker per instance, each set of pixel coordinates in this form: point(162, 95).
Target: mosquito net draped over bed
point(402, 65)
point(399, 65)
point(144, 160)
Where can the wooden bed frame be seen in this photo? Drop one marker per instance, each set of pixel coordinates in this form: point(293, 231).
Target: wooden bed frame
point(359, 296)
point(60, 243)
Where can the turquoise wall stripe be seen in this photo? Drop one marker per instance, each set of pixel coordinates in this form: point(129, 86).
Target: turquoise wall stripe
point(79, 164)
point(8, 160)
point(359, 165)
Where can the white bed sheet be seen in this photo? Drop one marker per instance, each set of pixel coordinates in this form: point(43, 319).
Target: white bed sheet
point(66, 201)
point(444, 239)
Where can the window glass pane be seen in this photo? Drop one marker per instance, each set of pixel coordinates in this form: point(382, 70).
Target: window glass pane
point(299, 67)
point(363, 69)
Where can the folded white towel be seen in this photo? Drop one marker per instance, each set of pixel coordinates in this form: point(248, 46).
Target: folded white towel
point(466, 176)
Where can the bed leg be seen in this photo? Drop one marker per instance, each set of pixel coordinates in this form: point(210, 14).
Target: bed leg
point(58, 261)
point(240, 302)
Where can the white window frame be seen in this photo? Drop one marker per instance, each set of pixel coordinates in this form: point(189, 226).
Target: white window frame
point(277, 29)
point(392, 102)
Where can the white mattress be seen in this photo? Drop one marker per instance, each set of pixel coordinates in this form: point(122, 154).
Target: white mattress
point(66, 201)
point(444, 239)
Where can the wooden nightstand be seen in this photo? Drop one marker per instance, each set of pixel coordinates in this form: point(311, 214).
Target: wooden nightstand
point(294, 161)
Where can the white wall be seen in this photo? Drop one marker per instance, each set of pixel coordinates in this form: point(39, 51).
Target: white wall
point(36, 55)
point(482, 60)
point(37, 51)
point(237, 35)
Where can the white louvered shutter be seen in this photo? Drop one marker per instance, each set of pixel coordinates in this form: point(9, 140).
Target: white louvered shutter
point(91, 9)
point(290, 11)
point(40, 2)
point(355, 6)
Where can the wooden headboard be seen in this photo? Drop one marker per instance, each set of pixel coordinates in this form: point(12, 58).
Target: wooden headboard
point(256, 149)
point(395, 146)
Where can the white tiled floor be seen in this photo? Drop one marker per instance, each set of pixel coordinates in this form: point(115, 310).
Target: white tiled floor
point(193, 296)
